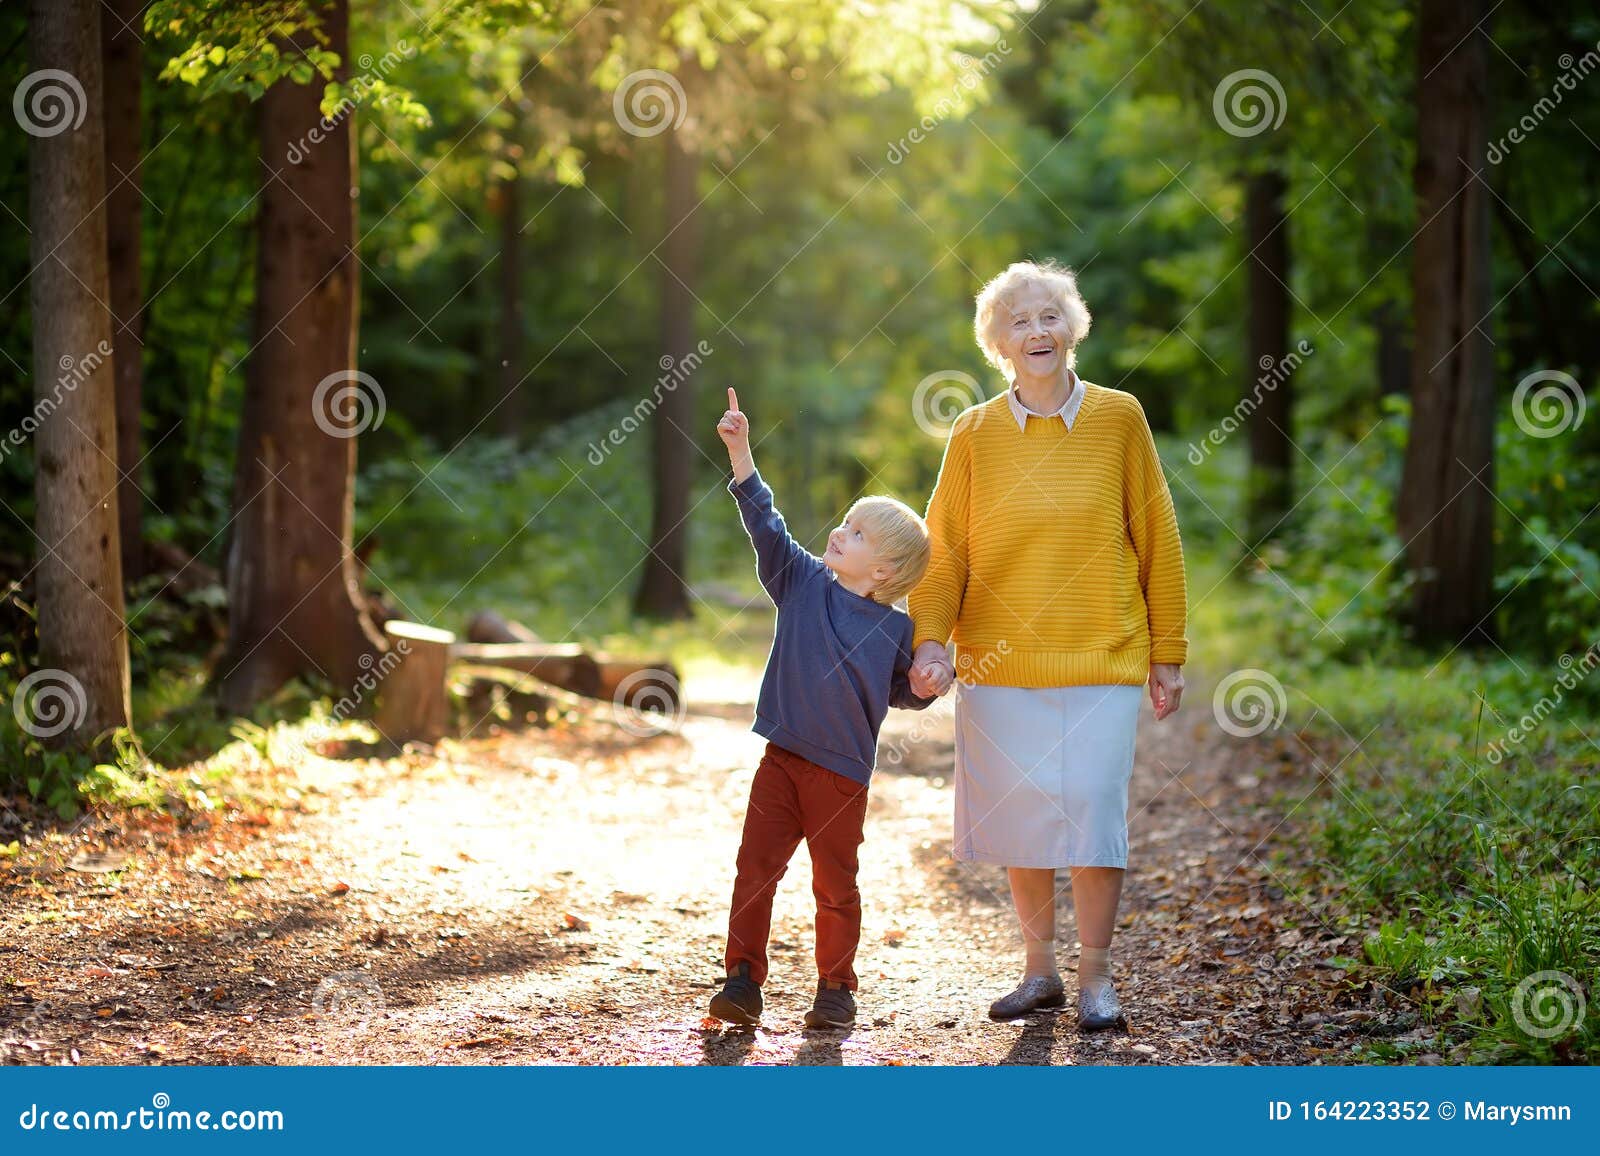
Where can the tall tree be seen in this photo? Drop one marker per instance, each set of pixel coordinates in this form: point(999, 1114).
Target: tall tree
point(82, 633)
point(1270, 486)
point(1446, 506)
point(293, 597)
point(721, 94)
point(663, 590)
point(122, 52)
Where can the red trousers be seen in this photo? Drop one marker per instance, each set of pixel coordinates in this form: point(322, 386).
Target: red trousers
point(791, 799)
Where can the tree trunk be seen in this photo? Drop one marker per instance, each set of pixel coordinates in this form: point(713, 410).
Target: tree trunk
point(293, 596)
point(120, 32)
point(81, 690)
point(1446, 507)
point(1268, 384)
point(1385, 240)
point(664, 589)
point(1394, 349)
point(511, 414)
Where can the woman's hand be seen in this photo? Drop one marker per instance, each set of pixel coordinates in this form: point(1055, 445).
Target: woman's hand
point(1166, 687)
point(932, 672)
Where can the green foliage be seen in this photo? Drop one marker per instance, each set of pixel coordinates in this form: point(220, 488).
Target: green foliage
point(1463, 852)
point(223, 47)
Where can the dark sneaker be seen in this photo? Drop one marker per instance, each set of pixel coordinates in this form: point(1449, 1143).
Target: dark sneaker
point(834, 1007)
point(739, 1001)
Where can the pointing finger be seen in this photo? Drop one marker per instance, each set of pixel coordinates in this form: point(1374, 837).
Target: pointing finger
point(733, 399)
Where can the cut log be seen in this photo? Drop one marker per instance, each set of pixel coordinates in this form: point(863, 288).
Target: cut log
point(413, 703)
point(641, 685)
point(560, 664)
point(644, 685)
point(486, 694)
point(487, 626)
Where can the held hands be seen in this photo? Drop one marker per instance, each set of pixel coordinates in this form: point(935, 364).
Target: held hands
point(1166, 687)
point(932, 672)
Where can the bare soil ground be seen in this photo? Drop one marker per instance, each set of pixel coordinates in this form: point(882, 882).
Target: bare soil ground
point(560, 896)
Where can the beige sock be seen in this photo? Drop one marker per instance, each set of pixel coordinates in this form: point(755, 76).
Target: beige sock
point(1094, 967)
point(1041, 957)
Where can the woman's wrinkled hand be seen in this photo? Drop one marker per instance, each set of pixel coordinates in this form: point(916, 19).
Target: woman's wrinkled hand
point(1166, 687)
point(932, 673)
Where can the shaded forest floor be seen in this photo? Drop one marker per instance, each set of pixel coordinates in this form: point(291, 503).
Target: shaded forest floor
point(560, 896)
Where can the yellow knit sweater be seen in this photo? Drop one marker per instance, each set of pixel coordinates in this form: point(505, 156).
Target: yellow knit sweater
point(1056, 558)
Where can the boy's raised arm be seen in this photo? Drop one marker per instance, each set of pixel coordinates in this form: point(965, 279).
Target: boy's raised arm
point(781, 562)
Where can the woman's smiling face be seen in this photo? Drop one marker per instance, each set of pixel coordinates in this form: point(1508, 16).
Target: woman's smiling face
point(1034, 333)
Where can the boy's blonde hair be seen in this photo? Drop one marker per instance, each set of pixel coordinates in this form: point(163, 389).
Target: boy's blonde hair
point(995, 298)
point(900, 537)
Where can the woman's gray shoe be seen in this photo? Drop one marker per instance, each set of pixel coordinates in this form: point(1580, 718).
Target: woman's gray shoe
point(739, 1001)
point(1099, 1009)
point(1035, 992)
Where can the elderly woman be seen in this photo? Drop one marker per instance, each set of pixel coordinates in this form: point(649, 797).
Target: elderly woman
point(1057, 572)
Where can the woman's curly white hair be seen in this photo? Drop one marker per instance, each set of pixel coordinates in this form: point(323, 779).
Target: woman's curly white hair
point(994, 300)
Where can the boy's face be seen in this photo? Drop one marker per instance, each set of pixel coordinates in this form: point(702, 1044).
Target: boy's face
point(853, 555)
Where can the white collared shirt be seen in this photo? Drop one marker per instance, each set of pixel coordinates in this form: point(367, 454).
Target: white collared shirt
point(1068, 410)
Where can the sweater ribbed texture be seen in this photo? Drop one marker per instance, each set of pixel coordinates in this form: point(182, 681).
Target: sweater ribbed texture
point(1056, 556)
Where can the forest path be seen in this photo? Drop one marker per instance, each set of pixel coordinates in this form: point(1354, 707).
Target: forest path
point(560, 896)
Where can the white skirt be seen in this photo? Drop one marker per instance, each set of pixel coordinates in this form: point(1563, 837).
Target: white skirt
point(1042, 774)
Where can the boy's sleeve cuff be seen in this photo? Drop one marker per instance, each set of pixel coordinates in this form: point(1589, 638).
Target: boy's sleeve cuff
point(751, 485)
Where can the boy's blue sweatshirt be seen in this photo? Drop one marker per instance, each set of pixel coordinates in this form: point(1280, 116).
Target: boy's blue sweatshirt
point(838, 661)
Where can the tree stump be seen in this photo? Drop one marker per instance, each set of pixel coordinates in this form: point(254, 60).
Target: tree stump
point(413, 702)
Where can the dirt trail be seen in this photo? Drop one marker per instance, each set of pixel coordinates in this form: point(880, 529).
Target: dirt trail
point(560, 897)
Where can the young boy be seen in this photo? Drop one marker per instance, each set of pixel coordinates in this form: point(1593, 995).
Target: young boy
point(839, 660)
